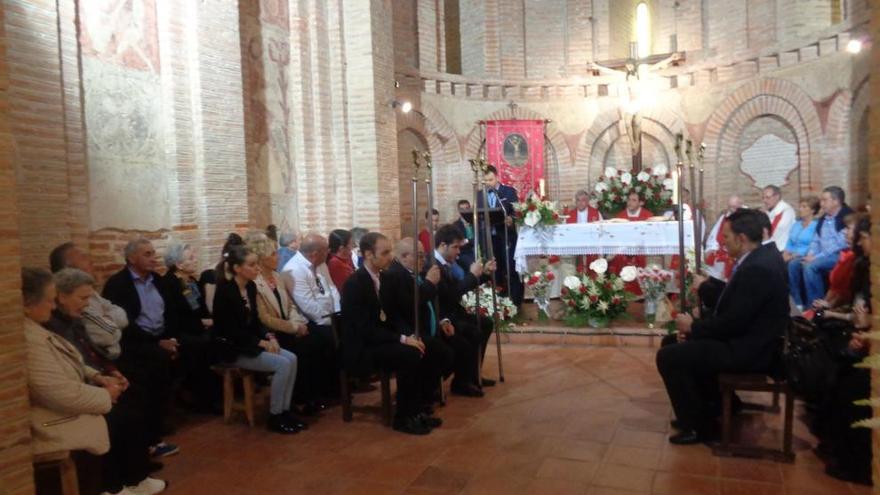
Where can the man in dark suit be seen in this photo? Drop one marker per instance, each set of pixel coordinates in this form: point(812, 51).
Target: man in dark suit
point(467, 255)
point(149, 342)
point(502, 196)
point(370, 341)
point(742, 335)
point(438, 335)
point(448, 241)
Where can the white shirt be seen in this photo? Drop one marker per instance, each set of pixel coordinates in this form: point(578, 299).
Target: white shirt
point(783, 228)
point(306, 292)
point(712, 240)
point(582, 216)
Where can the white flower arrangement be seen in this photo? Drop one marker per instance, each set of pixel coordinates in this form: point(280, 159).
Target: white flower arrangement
point(600, 266)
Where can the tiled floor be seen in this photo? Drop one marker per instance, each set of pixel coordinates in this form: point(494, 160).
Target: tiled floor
point(574, 419)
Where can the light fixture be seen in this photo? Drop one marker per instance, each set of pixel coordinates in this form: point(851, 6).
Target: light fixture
point(405, 105)
point(854, 46)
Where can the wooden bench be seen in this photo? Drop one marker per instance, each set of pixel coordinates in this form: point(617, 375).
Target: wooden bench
point(232, 374)
point(730, 383)
point(62, 462)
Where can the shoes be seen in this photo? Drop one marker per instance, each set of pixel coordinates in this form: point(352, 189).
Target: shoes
point(686, 437)
point(291, 420)
point(676, 424)
point(313, 408)
point(149, 486)
point(164, 449)
point(488, 382)
point(412, 425)
point(430, 421)
point(155, 466)
point(467, 391)
point(847, 475)
point(277, 424)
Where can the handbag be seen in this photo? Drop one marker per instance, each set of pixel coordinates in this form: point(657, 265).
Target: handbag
point(810, 366)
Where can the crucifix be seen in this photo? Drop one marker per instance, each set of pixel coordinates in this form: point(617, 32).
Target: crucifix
point(636, 73)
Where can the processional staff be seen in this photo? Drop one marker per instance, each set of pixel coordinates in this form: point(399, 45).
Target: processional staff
point(682, 265)
point(475, 167)
point(415, 224)
point(484, 166)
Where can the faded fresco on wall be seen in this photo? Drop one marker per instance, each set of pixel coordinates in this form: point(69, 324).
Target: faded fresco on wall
point(121, 32)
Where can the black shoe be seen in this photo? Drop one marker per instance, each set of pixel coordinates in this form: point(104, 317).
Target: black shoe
point(277, 424)
point(676, 424)
point(430, 421)
point(467, 391)
point(488, 382)
point(847, 475)
point(155, 466)
point(411, 425)
point(290, 418)
point(686, 437)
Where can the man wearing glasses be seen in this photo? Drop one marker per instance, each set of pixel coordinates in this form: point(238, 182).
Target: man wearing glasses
point(313, 290)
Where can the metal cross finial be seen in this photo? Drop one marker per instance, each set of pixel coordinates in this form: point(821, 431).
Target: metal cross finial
point(678, 141)
point(690, 151)
point(426, 155)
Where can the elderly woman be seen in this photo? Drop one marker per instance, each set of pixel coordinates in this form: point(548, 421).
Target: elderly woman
point(279, 314)
point(198, 349)
point(69, 396)
point(249, 345)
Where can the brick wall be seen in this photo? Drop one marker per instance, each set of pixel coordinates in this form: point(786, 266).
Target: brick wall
point(15, 457)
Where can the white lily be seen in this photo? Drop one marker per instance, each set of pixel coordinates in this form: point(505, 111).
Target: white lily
point(601, 187)
point(660, 170)
point(626, 178)
point(599, 266)
point(643, 176)
point(572, 282)
point(628, 273)
point(610, 172)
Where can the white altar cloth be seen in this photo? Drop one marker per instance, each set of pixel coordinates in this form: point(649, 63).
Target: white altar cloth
point(603, 238)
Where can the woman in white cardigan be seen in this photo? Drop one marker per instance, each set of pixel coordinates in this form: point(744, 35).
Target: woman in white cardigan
point(314, 350)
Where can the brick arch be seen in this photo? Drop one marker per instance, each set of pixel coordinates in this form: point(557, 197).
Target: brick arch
point(765, 97)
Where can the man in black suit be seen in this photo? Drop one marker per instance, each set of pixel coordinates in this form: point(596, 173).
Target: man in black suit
point(438, 335)
point(742, 335)
point(502, 196)
point(467, 255)
point(448, 241)
point(149, 342)
point(370, 341)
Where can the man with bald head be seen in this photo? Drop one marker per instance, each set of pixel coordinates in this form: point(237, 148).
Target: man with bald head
point(718, 262)
point(312, 288)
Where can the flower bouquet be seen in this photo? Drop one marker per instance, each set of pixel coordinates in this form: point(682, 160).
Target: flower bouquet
point(539, 283)
point(594, 297)
point(653, 281)
point(655, 185)
point(506, 308)
point(536, 212)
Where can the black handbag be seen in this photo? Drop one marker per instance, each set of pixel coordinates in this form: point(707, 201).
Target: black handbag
point(810, 365)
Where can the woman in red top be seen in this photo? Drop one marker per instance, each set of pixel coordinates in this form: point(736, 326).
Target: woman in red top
point(840, 279)
point(339, 261)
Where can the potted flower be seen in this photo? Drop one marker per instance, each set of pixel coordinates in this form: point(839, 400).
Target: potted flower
point(536, 212)
point(653, 281)
point(613, 187)
point(506, 309)
point(539, 283)
point(594, 297)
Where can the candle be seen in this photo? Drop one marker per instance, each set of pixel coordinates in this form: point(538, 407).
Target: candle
point(675, 185)
point(541, 187)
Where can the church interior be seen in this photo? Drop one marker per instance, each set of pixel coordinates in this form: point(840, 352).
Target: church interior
point(135, 129)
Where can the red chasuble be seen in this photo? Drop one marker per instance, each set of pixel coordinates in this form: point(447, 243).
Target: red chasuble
point(621, 261)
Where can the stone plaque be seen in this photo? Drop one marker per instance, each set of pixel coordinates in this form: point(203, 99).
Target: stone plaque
point(769, 161)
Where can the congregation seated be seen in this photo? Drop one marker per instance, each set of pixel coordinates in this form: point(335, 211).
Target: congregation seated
point(313, 290)
point(246, 343)
point(339, 261)
point(313, 345)
point(840, 290)
point(288, 245)
point(73, 405)
point(208, 278)
point(370, 342)
point(800, 236)
point(742, 334)
point(807, 275)
point(448, 242)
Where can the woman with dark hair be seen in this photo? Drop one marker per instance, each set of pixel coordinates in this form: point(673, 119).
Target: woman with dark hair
point(208, 278)
point(339, 262)
point(247, 344)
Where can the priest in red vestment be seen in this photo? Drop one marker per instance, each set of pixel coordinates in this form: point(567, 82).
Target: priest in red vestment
point(718, 262)
point(583, 213)
point(635, 211)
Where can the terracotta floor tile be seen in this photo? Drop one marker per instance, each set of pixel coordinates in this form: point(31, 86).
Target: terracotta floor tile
point(624, 478)
point(633, 457)
point(638, 438)
point(602, 490)
point(751, 470)
point(496, 485)
point(581, 450)
point(567, 469)
point(797, 477)
point(681, 484)
point(554, 487)
point(740, 487)
point(441, 479)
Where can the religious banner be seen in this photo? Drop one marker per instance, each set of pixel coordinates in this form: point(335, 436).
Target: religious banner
point(516, 148)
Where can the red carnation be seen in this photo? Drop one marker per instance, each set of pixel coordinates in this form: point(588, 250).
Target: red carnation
point(594, 298)
point(564, 291)
point(533, 280)
point(615, 300)
point(583, 290)
point(484, 311)
point(580, 269)
point(555, 216)
point(550, 276)
point(532, 207)
point(553, 259)
point(518, 214)
point(571, 303)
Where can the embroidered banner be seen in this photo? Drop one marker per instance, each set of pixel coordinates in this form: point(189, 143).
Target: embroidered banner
point(516, 148)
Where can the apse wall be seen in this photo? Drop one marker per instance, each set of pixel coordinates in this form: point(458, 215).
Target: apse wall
point(756, 88)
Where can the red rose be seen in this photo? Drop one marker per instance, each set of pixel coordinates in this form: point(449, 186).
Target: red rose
point(533, 280)
point(553, 259)
point(594, 298)
point(615, 300)
point(532, 207)
point(564, 291)
point(608, 284)
point(550, 276)
point(580, 269)
point(555, 216)
point(571, 303)
point(518, 214)
point(484, 311)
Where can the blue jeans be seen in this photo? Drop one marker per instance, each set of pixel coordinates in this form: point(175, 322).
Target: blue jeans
point(810, 276)
point(283, 365)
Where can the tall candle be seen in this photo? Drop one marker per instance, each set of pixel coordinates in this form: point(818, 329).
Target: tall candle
point(541, 187)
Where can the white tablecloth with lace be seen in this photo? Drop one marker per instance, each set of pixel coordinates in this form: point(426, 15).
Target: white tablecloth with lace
point(603, 238)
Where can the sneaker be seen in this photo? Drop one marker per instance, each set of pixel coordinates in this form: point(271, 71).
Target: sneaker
point(149, 486)
point(164, 449)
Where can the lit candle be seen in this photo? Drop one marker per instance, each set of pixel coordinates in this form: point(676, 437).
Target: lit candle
point(675, 185)
point(541, 187)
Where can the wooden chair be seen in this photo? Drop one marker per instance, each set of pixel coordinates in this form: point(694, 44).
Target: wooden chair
point(730, 383)
point(66, 469)
point(345, 399)
point(249, 398)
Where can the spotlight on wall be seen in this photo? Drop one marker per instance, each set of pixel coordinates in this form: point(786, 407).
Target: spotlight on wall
point(405, 106)
point(854, 46)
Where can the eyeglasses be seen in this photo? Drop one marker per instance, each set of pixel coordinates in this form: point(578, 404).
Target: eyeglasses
point(319, 284)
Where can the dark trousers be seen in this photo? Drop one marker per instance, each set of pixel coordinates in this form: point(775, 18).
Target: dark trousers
point(197, 353)
point(850, 447)
point(127, 462)
point(149, 368)
point(438, 361)
point(406, 362)
point(318, 372)
point(515, 290)
point(690, 372)
point(477, 339)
